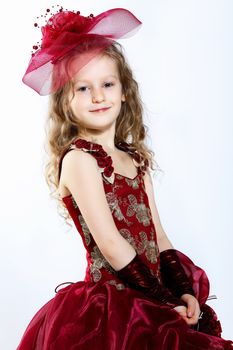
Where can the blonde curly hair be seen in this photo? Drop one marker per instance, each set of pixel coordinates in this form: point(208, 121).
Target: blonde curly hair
point(62, 128)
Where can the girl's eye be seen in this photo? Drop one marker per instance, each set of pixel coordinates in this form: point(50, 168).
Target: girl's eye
point(82, 88)
point(108, 84)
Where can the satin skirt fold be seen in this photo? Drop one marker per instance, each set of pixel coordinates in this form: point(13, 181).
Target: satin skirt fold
point(87, 315)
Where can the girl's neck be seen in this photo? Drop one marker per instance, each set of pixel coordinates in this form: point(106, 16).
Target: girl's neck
point(108, 145)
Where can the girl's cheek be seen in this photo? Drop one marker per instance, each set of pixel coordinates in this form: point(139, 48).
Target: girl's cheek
point(80, 99)
point(83, 97)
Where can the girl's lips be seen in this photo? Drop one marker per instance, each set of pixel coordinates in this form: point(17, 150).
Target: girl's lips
point(101, 109)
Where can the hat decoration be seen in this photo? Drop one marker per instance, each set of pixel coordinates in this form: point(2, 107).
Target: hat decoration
point(68, 33)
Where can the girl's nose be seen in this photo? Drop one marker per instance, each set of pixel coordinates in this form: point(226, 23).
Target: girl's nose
point(97, 96)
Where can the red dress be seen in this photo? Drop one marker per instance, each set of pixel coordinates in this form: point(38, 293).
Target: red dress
point(100, 312)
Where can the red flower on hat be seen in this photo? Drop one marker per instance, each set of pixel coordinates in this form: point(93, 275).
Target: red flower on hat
point(61, 22)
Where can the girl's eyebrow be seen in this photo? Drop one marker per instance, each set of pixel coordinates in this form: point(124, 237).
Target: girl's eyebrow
point(86, 80)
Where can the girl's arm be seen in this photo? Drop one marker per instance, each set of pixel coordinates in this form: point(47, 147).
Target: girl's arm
point(81, 175)
point(163, 241)
point(170, 267)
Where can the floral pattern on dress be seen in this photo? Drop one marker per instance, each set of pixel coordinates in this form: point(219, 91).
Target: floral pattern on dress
point(129, 237)
point(74, 203)
point(99, 262)
point(142, 213)
point(114, 206)
point(113, 203)
point(134, 183)
point(85, 229)
point(142, 245)
point(150, 248)
point(119, 286)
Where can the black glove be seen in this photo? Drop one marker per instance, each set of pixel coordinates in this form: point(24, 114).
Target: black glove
point(138, 276)
point(173, 275)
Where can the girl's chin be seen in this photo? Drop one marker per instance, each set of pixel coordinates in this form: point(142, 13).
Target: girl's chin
point(100, 119)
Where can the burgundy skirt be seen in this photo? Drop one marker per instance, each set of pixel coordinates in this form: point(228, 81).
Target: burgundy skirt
point(100, 316)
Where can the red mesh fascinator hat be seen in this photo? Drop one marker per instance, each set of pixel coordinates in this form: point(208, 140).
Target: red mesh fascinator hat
point(69, 38)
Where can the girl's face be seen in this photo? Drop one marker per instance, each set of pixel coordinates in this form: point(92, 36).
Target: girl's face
point(97, 94)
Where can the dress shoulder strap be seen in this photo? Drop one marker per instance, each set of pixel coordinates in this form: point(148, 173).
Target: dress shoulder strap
point(139, 161)
point(104, 160)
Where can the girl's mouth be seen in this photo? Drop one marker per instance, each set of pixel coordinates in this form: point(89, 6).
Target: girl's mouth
point(101, 109)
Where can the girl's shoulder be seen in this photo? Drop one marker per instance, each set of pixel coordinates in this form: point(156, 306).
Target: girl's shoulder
point(104, 161)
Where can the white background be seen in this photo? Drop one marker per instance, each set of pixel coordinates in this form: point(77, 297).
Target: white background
point(182, 57)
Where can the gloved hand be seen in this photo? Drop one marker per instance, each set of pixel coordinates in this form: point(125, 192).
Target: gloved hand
point(138, 276)
point(173, 275)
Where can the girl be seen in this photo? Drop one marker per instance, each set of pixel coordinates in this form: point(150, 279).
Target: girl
point(138, 292)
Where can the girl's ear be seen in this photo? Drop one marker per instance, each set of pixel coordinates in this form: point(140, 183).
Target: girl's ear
point(123, 98)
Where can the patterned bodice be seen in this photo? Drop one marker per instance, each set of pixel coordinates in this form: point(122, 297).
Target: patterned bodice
point(129, 206)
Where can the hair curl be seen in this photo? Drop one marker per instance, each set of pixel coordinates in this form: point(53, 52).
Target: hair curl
point(62, 127)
